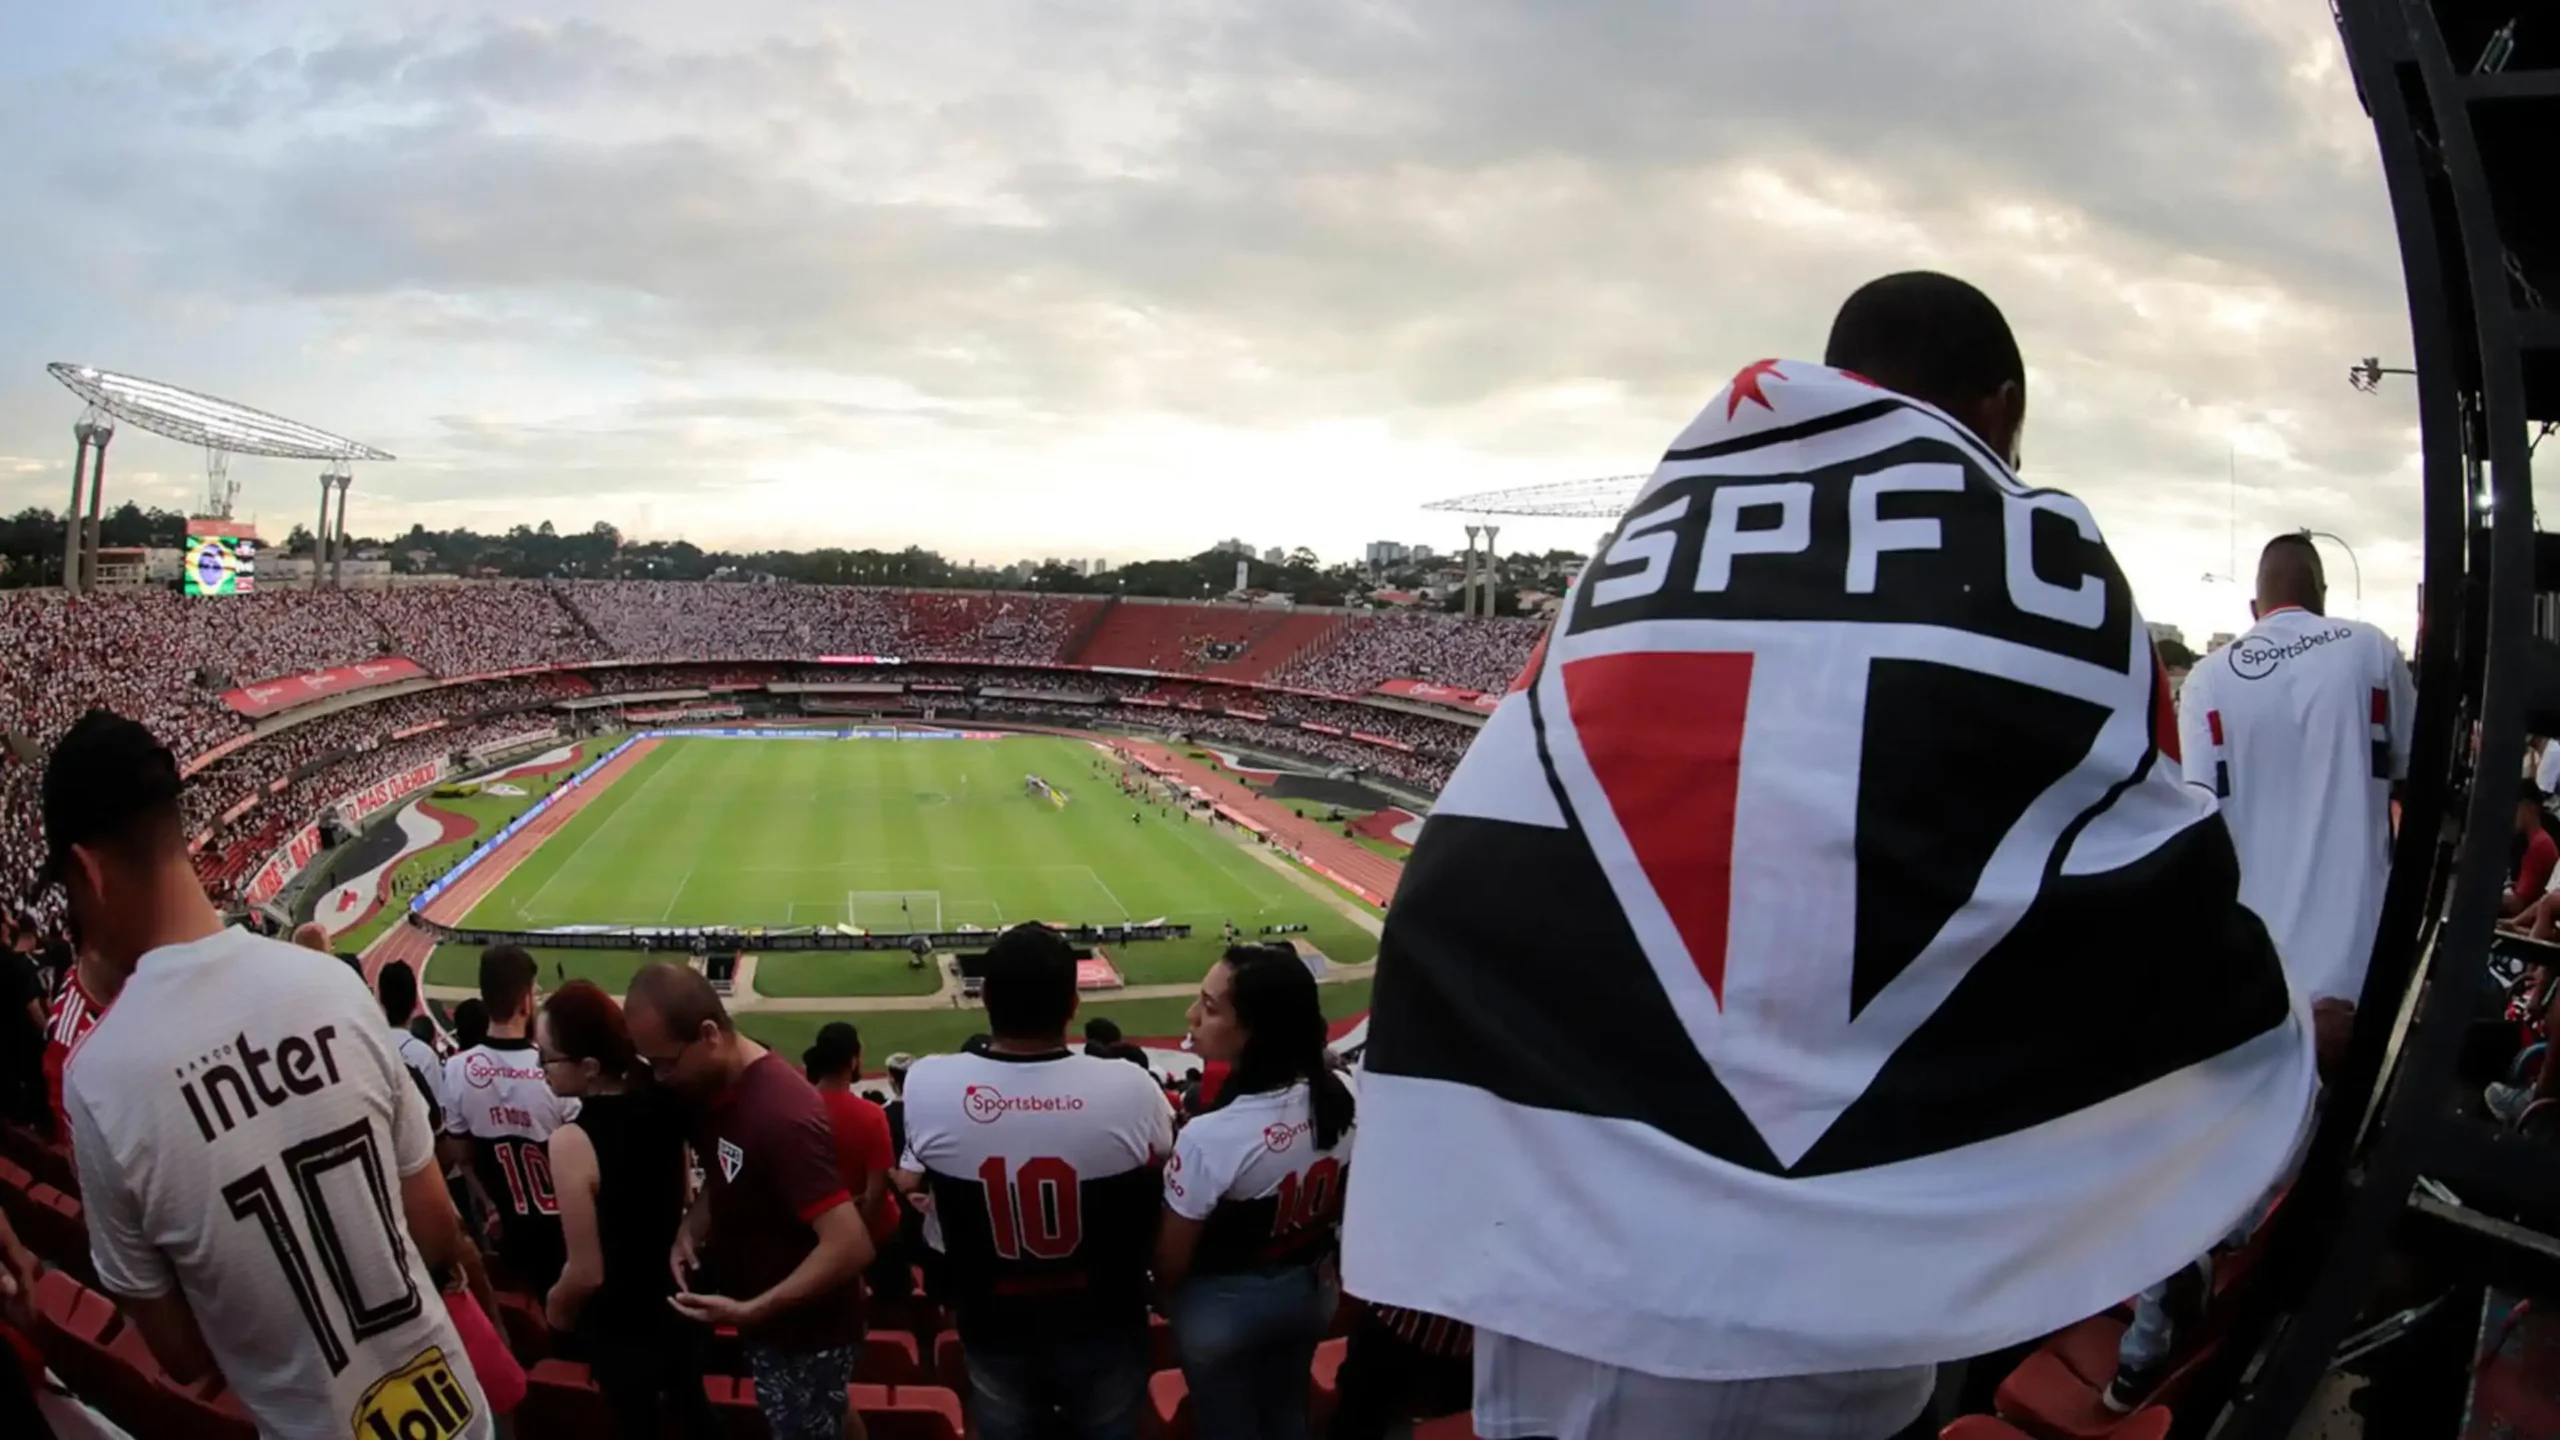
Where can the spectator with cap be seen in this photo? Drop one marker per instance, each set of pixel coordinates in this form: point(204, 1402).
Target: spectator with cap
point(225, 1056)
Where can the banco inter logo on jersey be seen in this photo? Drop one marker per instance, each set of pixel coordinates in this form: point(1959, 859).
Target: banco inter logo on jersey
point(1835, 756)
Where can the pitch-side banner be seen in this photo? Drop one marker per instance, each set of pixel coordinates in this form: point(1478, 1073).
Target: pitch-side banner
point(1818, 963)
point(266, 697)
point(1452, 696)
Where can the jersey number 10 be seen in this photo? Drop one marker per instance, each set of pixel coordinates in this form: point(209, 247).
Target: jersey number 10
point(1038, 1211)
point(307, 1166)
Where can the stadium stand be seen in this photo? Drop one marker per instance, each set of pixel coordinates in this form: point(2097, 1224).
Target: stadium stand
point(168, 661)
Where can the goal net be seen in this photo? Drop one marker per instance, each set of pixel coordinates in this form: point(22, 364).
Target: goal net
point(892, 912)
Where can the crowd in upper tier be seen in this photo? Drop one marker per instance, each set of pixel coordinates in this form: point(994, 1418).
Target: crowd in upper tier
point(167, 660)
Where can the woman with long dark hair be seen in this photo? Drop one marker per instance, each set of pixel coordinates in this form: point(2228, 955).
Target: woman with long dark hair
point(1253, 1199)
point(619, 1171)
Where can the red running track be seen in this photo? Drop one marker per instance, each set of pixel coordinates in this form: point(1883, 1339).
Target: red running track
point(404, 941)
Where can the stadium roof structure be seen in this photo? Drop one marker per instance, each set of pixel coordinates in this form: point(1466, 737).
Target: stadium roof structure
point(1604, 498)
point(199, 419)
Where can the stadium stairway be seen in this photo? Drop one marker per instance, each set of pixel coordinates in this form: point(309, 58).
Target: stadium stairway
point(1140, 636)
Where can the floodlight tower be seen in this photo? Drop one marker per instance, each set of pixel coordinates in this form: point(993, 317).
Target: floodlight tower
point(88, 469)
point(222, 427)
point(1467, 575)
point(338, 551)
point(1484, 608)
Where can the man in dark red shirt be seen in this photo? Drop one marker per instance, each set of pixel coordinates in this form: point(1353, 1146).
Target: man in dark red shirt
point(774, 1217)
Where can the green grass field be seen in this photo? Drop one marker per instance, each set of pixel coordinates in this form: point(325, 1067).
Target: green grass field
point(892, 835)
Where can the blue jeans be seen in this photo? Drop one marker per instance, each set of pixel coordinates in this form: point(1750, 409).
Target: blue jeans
point(1097, 1382)
point(1246, 1343)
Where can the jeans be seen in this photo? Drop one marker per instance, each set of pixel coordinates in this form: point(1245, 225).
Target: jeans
point(1096, 1382)
point(802, 1392)
point(1386, 1378)
point(1246, 1343)
point(2166, 1314)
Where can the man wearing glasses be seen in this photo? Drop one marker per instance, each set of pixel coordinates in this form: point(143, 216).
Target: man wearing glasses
point(499, 1115)
point(774, 1222)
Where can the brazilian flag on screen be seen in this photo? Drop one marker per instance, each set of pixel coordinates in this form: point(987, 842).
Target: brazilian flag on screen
point(220, 565)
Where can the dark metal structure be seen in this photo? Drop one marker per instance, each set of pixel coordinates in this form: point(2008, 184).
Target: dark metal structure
point(2465, 101)
point(223, 428)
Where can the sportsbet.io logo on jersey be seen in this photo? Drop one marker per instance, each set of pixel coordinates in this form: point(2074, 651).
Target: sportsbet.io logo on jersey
point(422, 1400)
point(2253, 659)
point(986, 1105)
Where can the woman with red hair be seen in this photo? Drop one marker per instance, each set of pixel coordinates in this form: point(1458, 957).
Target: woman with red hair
point(620, 1172)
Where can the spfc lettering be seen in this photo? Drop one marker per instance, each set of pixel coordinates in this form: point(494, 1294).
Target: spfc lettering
point(1920, 533)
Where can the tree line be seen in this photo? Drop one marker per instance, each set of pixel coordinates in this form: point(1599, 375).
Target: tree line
point(31, 554)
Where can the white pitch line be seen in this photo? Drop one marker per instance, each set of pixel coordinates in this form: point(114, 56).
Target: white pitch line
point(679, 894)
point(1106, 891)
point(525, 910)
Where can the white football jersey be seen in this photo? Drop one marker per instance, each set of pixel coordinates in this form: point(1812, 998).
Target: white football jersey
point(423, 1063)
point(2300, 726)
point(496, 1096)
point(243, 1123)
point(1043, 1172)
point(1251, 1169)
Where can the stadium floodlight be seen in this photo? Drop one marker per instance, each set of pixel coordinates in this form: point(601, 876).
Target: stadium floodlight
point(198, 419)
point(1604, 498)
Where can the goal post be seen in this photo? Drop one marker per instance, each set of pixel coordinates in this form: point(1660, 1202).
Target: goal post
point(893, 912)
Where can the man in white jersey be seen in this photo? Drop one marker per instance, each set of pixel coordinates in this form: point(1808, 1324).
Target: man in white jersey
point(257, 1171)
point(498, 1119)
point(2300, 727)
point(1042, 1165)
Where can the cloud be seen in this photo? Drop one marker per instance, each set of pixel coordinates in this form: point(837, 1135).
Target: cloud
point(1489, 238)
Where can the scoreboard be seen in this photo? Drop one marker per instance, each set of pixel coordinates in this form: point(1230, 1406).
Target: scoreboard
point(222, 558)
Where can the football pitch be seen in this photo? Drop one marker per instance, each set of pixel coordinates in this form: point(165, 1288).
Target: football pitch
point(894, 835)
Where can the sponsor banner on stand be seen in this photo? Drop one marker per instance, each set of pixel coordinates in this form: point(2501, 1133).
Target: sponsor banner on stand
point(860, 660)
point(1424, 692)
point(1241, 713)
point(422, 729)
point(1382, 741)
point(266, 697)
point(287, 862)
point(1319, 728)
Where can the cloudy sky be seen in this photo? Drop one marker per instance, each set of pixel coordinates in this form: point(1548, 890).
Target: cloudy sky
point(1031, 277)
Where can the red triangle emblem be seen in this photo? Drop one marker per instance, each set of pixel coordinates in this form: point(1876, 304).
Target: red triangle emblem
point(1663, 734)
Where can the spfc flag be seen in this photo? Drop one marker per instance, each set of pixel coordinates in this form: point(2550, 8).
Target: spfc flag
point(1817, 963)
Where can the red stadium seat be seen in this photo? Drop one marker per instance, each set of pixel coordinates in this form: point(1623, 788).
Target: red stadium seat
point(87, 1342)
point(950, 1362)
point(1169, 1401)
point(1447, 1427)
point(1324, 1377)
point(908, 1412)
point(15, 1182)
point(528, 1332)
point(2151, 1423)
point(561, 1400)
point(889, 1357)
point(52, 1228)
point(1162, 1353)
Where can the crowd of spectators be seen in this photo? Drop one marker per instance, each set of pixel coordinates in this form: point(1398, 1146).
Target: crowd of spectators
point(166, 659)
point(480, 628)
point(1415, 645)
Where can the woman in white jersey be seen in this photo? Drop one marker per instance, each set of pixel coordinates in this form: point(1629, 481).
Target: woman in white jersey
point(1253, 1200)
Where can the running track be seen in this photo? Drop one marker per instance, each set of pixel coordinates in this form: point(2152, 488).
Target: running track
point(404, 941)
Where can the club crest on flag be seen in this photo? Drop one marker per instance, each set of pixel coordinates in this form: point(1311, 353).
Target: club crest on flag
point(1841, 873)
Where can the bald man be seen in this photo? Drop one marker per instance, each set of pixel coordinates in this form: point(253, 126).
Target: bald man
point(2300, 727)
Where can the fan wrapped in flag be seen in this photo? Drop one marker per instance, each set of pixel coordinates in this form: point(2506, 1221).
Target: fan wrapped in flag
point(1817, 963)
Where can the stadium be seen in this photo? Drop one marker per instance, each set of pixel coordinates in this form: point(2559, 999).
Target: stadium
point(1832, 973)
point(346, 749)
